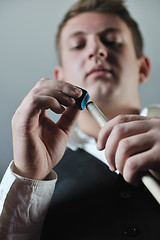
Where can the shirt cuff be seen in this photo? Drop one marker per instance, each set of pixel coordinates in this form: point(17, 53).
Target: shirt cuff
point(24, 202)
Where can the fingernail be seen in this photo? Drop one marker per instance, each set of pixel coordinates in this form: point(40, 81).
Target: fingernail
point(78, 90)
point(112, 168)
point(99, 146)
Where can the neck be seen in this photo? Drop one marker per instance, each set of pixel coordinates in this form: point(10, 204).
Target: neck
point(88, 125)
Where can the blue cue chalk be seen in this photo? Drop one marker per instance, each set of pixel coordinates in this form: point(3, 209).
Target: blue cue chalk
point(82, 101)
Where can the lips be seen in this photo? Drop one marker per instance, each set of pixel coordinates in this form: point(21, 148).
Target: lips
point(98, 71)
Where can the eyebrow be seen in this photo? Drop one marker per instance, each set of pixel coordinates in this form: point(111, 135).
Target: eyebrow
point(106, 31)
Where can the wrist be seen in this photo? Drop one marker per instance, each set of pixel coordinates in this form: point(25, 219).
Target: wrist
point(29, 174)
point(20, 174)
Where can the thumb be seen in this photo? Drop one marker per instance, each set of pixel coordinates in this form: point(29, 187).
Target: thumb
point(68, 119)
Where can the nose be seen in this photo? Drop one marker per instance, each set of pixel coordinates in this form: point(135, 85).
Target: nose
point(97, 51)
point(99, 54)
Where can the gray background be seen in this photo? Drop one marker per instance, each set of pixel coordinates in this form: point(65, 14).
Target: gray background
point(27, 30)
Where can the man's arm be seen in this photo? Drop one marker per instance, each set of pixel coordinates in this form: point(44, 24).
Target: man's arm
point(23, 205)
point(38, 145)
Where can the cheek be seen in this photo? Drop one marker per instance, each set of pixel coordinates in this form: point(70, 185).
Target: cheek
point(73, 66)
point(130, 81)
point(129, 64)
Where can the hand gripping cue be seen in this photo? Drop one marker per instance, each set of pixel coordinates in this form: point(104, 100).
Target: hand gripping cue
point(149, 181)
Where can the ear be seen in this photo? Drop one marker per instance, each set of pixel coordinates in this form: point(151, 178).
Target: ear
point(58, 73)
point(144, 69)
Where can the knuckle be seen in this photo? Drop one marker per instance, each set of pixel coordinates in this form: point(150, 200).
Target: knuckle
point(41, 82)
point(131, 164)
point(66, 87)
point(118, 130)
point(33, 99)
point(124, 145)
point(69, 89)
point(35, 91)
point(131, 169)
point(121, 118)
point(34, 95)
point(44, 79)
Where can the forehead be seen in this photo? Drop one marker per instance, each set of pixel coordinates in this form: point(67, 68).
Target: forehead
point(93, 23)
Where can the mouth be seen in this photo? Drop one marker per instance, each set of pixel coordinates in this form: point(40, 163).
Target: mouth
point(99, 71)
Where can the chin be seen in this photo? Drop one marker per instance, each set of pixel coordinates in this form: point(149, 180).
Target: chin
point(101, 93)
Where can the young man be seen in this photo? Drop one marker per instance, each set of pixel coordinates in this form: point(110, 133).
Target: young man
point(100, 50)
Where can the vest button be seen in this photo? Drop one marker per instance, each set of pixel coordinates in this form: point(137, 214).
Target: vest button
point(131, 231)
point(125, 195)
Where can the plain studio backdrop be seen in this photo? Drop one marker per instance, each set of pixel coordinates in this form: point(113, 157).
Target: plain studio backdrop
point(27, 53)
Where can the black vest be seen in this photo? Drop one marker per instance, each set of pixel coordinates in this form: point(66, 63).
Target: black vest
point(92, 203)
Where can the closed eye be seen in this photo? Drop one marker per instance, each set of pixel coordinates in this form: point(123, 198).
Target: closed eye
point(77, 42)
point(79, 46)
point(113, 44)
point(112, 38)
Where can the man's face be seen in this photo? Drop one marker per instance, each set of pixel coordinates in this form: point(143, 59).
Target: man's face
point(97, 54)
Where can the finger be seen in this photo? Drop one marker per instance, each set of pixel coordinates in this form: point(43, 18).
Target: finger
point(123, 131)
point(61, 97)
point(44, 103)
point(60, 86)
point(68, 119)
point(131, 146)
point(106, 130)
point(137, 165)
point(35, 104)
